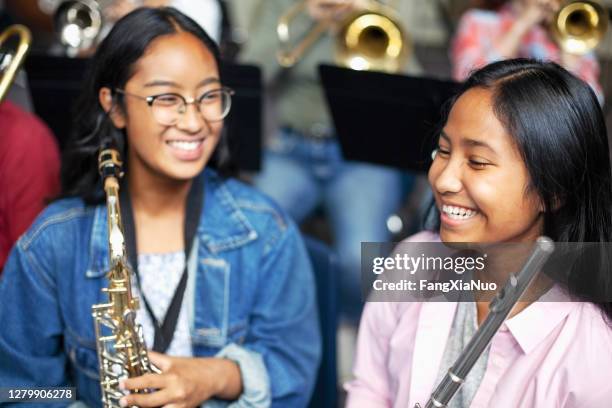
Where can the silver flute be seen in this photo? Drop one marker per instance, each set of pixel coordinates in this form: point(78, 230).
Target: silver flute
point(499, 308)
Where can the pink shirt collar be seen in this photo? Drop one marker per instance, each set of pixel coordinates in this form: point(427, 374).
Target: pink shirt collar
point(538, 320)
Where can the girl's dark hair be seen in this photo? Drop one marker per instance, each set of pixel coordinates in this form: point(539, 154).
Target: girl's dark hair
point(112, 66)
point(558, 127)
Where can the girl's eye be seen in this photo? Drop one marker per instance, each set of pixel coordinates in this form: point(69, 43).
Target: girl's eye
point(443, 152)
point(479, 165)
point(211, 96)
point(167, 100)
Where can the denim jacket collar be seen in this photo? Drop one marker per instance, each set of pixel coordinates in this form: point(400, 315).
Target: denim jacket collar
point(223, 225)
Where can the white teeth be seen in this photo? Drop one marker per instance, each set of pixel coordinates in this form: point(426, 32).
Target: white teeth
point(458, 213)
point(184, 145)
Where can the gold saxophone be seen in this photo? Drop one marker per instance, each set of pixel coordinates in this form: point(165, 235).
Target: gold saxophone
point(121, 348)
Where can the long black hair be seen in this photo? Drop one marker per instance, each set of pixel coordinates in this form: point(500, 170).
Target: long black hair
point(112, 66)
point(558, 127)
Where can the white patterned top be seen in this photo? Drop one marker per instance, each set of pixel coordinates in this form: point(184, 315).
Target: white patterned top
point(159, 276)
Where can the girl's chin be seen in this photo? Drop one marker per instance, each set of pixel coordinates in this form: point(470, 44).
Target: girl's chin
point(185, 173)
point(455, 236)
point(186, 170)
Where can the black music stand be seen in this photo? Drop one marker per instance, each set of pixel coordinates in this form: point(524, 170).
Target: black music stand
point(55, 83)
point(383, 118)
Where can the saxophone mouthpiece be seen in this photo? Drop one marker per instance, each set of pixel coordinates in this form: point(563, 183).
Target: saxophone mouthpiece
point(109, 163)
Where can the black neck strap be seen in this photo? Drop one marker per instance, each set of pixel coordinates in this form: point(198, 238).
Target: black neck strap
point(195, 201)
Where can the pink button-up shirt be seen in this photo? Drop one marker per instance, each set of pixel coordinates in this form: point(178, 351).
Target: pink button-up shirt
point(549, 355)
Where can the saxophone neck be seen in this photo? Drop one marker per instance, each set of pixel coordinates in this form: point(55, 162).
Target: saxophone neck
point(111, 169)
point(116, 239)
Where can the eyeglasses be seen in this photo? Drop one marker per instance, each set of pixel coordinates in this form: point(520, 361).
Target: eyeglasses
point(168, 108)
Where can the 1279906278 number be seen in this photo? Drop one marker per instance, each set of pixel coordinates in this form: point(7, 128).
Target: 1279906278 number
point(37, 394)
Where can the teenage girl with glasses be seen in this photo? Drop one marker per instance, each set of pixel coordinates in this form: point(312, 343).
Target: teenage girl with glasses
point(247, 331)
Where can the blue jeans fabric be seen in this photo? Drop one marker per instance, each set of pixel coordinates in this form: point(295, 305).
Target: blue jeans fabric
point(303, 173)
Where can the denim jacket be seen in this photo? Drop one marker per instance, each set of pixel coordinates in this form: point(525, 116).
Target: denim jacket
point(251, 287)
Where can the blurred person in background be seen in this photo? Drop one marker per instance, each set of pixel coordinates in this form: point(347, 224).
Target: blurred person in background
point(29, 157)
point(303, 167)
point(502, 29)
point(29, 172)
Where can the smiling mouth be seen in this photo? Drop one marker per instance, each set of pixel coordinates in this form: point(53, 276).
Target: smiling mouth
point(458, 213)
point(185, 145)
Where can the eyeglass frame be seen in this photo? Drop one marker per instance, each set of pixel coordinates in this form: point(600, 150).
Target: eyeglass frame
point(193, 101)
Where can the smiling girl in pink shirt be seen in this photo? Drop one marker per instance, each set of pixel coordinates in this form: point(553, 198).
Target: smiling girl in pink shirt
point(523, 153)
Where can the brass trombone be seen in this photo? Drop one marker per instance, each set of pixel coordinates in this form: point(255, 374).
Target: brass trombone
point(13, 61)
point(580, 25)
point(368, 39)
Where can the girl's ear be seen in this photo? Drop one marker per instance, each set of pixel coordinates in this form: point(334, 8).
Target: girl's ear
point(105, 97)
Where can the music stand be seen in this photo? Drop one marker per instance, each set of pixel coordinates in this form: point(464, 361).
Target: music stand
point(383, 118)
point(55, 83)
